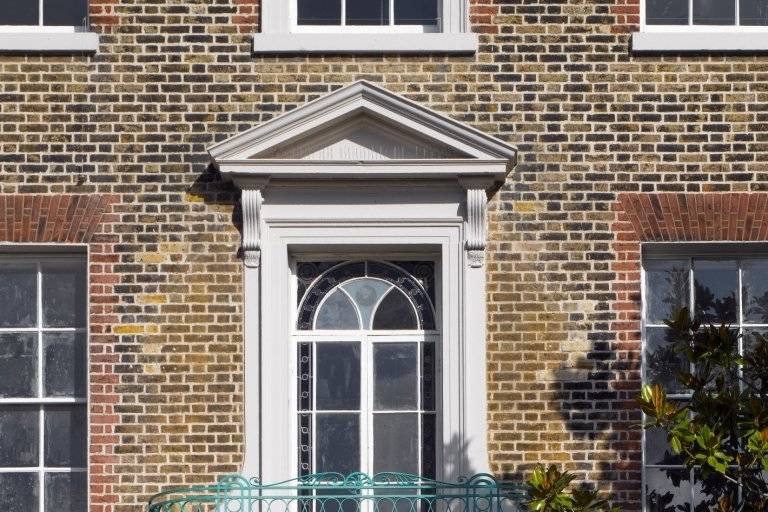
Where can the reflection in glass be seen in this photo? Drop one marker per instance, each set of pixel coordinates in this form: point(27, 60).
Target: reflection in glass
point(395, 312)
point(715, 284)
point(64, 294)
point(395, 376)
point(337, 312)
point(397, 438)
point(18, 364)
point(66, 492)
point(338, 443)
point(66, 433)
point(662, 364)
point(416, 12)
point(18, 295)
point(714, 12)
point(657, 449)
point(666, 12)
point(319, 12)
point(707, 492)
point(64, 364)
point(19, 492)
point(366, 294)
point(338, 376)
point(667, 490)
point(19, 433)
point(755, 295)
point(71, 13)
point(667, 288)
point(753, 13)
point(14, 12)
point(367, 12)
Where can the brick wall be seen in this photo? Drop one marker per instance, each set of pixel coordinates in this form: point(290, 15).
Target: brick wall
point(555, 78)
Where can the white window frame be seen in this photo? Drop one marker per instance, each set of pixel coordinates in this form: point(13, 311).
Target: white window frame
point(280, 33)
point(462, 412)
point(689, 251)
point(367, 338)
point(696, 38)
point(47, 38)
point(18, 255)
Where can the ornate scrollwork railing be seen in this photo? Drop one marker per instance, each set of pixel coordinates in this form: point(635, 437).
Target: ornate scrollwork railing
point(334, 492)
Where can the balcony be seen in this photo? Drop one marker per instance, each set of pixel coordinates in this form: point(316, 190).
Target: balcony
point(334, 492)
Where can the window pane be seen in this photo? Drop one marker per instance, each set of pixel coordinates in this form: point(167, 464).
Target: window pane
point(305, 444)
point(338, 376)
point(755, 296)
point(65, 436)
point(395, 376)
point(752, 373)
point(429, 445)
point(707, 492)
point(666, 12)
point(19, 429)
point(18, 365)
point(415, 12)
point(662, 364)
point(18, 293)
point(395, 312)
point(715, 285)
point(66, 492)
point(338, 443)
point(714, 12)
point(667, 289)
point(366, 293)
point(319, 12)
point(19, 492)
point(396, 443)
point(667, 489)
point(367, 12)
point(305, 376)
point(70, 13)
point(428, 377)
point(753, 12)
point(15, 12)
point(64, 364)
point(64, 294)
point(337, 312)
point(657, 449)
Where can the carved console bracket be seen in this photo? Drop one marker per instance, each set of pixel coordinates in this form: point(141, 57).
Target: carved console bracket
point(477, 233)
point(251, 201)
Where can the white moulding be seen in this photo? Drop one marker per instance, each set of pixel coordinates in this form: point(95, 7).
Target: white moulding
point(49, 42)
point(659, 42)
point(456, 43)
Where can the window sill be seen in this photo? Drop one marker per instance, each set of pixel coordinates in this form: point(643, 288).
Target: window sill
point(680, 42)
point(274, 43)
point(49, 42)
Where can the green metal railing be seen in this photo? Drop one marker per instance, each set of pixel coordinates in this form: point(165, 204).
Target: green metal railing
point(334, 492)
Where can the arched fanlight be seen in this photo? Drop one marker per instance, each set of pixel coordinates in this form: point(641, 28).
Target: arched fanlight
point(368, 295)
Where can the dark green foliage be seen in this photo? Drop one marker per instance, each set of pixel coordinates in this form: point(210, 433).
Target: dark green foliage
point(550, 491)
point(722, 431)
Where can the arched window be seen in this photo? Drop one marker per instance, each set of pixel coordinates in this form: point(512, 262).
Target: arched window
point(366, 348)
point(366, 295)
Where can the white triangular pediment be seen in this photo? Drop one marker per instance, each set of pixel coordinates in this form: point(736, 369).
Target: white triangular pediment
point(358, 123)
point(360, 139)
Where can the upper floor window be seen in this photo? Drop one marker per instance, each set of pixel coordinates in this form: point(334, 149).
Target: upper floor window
point(51, 15)
point(364, 26)
point(706, 14)
point(365, 15)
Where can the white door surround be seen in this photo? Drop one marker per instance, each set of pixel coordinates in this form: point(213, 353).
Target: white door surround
point(362, 170)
